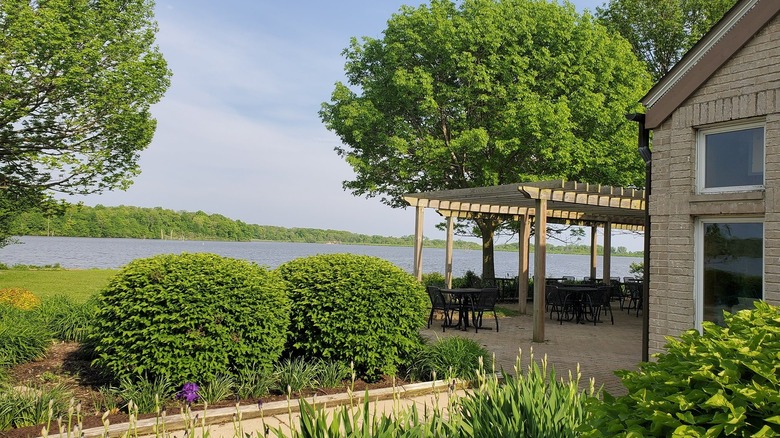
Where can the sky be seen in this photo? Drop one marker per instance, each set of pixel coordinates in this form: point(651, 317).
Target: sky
point(238, 132)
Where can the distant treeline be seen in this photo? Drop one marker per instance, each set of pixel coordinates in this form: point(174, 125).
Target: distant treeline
point(158, 223)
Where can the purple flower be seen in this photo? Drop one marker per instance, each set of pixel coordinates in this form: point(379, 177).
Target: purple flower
point(188, 393)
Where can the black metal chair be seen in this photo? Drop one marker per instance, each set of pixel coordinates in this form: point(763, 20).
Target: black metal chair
point(558, 303)
point(439, 303)
point(634, 291)
point(601, 301)
point(485, 301)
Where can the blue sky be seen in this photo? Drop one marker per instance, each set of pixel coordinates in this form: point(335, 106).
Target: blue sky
point(238, 131)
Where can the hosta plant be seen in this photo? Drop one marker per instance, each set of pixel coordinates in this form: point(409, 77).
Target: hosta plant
point(724, 381)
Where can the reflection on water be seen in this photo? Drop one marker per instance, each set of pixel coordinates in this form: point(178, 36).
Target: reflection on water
point(82, 253)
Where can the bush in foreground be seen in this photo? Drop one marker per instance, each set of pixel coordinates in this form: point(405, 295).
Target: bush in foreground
point(189, 318)
point(453, 357)
point(723, 382)
point(354, 308)
point(22, 336)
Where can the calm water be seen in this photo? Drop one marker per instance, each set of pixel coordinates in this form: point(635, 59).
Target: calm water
point(76, 252)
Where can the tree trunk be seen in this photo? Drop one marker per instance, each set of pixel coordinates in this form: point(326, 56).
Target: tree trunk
point(487, 228)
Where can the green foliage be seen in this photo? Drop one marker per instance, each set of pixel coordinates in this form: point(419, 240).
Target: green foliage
point(332, 374)
point(637, 268)
point(28, 406)
point(296, 374)
point(190, 317)
point(447, 358)
point(432, 279)
point(145, 394)
point(534, 404)
point(469, 279)
point(354, 308)
point(217, 389)
point(67, 320)
point(251, 383)
point(77, 82)
point(22, 337)
point(721, 382)
point(660, 32)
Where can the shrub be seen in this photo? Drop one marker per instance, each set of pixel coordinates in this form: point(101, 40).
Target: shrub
point(433, 279)
point(189, 318)
point(19, 298)
point(147, 395)
point(449, 358)
point(349, 307)
point(22, 337)
point(28, 406)
point(721, 382)
point(67, 320)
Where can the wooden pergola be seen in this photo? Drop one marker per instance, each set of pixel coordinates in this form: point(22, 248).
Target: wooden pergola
point(563, 202)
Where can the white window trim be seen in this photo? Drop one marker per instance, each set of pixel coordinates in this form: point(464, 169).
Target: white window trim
point(698, 248)
point(717, 129)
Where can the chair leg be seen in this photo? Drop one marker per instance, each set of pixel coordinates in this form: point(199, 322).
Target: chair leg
point(496, 318)
point(430, 318)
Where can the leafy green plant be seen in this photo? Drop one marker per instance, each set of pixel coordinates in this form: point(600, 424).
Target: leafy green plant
point(190, 317)
point(66, 319)
point(453, 357)
point(146, 394)
point(432, 279)
point(22, 337)
point(297, 374)
point(28, 406)
point(218, 389)
point(354, 308)
point(721, 382)
point(251, 383)
point(534, 404)
point(332, 373)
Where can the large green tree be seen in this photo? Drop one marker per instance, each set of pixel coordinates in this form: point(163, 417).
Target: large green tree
point(661, 31)
point(486, 92)
point(77, 78)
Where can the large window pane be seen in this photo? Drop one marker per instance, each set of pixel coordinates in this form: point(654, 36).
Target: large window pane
point(734, 158)
point(733, 267)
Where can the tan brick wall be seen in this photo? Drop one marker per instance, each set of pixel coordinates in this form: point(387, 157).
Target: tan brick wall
point(747, 86)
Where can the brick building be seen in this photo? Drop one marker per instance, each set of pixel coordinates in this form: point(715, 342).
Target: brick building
point(715, 202)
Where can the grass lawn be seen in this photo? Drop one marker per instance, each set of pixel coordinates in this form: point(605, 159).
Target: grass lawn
point(77, 284)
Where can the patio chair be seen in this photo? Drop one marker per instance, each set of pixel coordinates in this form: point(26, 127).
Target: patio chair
point(568, 278)
point(485, 301)
point(601, 301)
point(558, 303)
point(634, 293)
point(441, 304)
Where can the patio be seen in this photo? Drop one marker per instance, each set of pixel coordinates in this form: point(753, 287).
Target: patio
point(599, 350)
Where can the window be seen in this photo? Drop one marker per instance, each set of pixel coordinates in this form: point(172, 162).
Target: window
point(730, 266)
point(731, 158)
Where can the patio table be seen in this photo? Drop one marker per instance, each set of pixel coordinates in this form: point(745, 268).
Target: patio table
point(579, 294)
point(463, 297)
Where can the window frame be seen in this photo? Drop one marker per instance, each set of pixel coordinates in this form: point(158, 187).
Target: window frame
point(698, 256)
point(701, 138)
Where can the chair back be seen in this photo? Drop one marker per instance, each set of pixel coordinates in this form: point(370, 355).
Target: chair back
point(554, 295)
point(603, 295)
point(486, 299)
point(437, 299)
point(634, 289)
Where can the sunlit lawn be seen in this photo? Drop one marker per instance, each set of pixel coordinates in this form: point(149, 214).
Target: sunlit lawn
point(79, 284)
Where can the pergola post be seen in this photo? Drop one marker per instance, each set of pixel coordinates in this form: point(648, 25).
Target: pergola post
point(448, 254)
point(418, 241)
point(607, 251)
point(594, 249)
point(522, 272)
point(540, 260)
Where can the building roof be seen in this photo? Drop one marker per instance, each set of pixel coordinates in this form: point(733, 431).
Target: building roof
point(568, 202)
point(714, 49)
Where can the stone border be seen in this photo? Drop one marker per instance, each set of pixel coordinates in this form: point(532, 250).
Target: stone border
point(175, 422)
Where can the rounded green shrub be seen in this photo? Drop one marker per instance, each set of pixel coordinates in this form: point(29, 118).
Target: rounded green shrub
point(722, 382)
point(189, 318)
point(354, 308)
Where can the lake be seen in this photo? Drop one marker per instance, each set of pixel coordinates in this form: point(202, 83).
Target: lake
point(84, 253)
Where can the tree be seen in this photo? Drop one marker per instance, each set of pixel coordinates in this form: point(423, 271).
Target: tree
point(77, 78)
point(661, 31)
point(486, 92)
